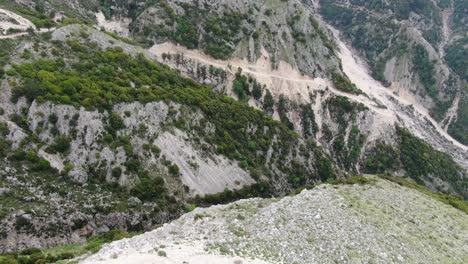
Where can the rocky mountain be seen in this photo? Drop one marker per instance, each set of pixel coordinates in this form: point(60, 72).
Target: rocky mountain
point(126, 114)
point(415, 48)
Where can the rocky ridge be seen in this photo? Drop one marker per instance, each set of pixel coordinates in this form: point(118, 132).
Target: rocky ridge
point(380, 222)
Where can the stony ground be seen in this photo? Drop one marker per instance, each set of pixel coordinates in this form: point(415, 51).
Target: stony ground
point(380, 222)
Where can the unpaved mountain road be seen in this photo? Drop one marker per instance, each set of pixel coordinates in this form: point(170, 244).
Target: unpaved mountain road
point(286, 80)
point(353, 67)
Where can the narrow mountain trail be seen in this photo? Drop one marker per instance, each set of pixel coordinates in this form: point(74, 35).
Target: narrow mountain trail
point(12, 36)
point(261, 70)
point(20, 23)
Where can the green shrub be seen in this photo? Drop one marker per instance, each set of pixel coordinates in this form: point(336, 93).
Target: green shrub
point(133, 165)
point(344, 84)
point(41, 165)
point(186, 33)
point(353, 180)
point(116, 122)
point(116, 172)
point(174, 169)
point(240, 86)
point(156, 150)
point(95, 243)
point(30, 251)
point(66, 255)
point(381, 159)
point(61, 144)
point(149, 189)
point(8, 260)
point(268, 102)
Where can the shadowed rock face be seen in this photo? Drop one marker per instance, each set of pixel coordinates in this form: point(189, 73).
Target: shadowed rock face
point(322, 225)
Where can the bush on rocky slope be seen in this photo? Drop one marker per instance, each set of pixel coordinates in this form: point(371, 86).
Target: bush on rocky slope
point(420, 162)
point(6, 47)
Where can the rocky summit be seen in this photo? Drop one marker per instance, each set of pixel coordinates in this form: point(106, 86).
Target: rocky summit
point(119, 117)
point(379, 222)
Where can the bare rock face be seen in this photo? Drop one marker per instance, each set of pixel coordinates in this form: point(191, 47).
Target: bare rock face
point(143, 125)
point(203, 175)
point(327, 224)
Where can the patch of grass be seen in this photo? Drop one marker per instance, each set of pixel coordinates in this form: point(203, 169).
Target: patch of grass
point(200, 216)
point(353, 180)
point(454, 201)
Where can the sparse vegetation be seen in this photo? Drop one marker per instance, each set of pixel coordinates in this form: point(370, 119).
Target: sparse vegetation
point(425, 69)
point(342, 83)
point(454, 201)
point(352, 180)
